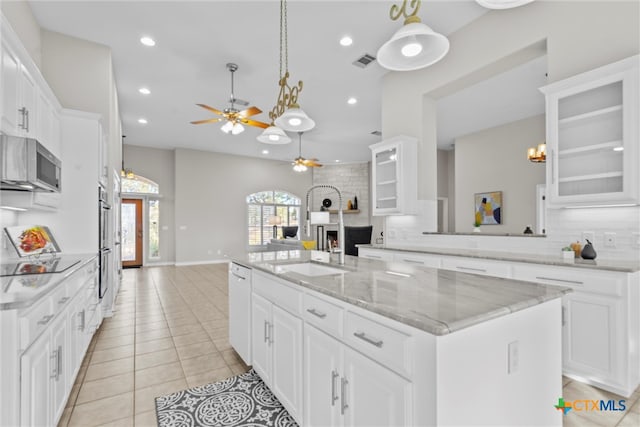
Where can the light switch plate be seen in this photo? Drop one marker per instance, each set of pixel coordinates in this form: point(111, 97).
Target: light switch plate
point(610, 240)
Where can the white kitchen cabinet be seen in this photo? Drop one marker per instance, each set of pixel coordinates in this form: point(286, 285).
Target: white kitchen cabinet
point(60, 375)
point(277, 340)
point(378, 254)
point(599, 324)
point(592, 137)
point(394, 176)
point(36, 367)
point(425, 260)
point(477, 266)
point(343, 387)
point(240, 310)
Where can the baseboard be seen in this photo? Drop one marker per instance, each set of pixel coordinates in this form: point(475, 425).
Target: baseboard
point(158, 264)
point(213, 261)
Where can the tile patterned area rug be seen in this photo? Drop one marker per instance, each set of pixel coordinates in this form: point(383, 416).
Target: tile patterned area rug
point(243, 400)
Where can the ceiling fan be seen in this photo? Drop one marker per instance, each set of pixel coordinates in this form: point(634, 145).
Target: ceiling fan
point(234, 118)
point(300, 164)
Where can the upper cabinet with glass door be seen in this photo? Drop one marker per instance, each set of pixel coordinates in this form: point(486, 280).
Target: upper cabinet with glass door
point(394, 176)
point(592, 137)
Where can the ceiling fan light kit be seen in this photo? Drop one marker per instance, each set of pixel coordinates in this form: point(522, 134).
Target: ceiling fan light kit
point(413, 46)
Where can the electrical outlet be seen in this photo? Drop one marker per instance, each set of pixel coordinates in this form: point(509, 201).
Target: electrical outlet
point(610, 240)
point(588, 235)
point(514, 356)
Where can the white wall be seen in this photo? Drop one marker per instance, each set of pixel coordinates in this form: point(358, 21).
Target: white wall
point(572, 47)
point(19, 15)
point(210, 200)
point(159, 166)
point(495, 160)
point(7, 219)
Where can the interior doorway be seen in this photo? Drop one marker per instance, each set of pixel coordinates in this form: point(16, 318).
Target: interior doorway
point(131, 214)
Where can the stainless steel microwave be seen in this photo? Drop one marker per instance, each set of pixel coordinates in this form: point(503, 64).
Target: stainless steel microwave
point(25, 164)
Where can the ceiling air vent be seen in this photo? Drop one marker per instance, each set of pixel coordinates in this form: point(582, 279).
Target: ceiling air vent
point(376, 133)
point(364, 60)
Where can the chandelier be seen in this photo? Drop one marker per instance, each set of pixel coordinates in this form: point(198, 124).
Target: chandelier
point(538, 154)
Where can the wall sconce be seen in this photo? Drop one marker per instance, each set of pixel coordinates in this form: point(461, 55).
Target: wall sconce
point(539, 154)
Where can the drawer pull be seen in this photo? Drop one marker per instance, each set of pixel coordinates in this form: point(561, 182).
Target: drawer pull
point(266, 332)
point(316, 313)
point(63, 300)
point(564, 315)
point(54, 368)
point(238, 276)
point(343, 395)
point(334, 397)
point(482, 270)
point(58, 362)
point(575, 282)
point(372, 256)
point(82, 320)
point(45, 319)
point(413, 261)
point(364, 337)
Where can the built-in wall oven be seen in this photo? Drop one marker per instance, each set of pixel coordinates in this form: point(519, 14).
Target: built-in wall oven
point(103, 228)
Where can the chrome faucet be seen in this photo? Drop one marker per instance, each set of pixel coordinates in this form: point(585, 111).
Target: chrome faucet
point(340, 219)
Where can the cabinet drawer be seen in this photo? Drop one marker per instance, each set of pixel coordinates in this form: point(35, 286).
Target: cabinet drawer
point(63, 293)
point(480, 266)
point(381, 343)
point(380, 255)
point(418, 259)
point(35, 321)
point(278, 293)
point(239, 271)
point(323, 314)
point(599, 282)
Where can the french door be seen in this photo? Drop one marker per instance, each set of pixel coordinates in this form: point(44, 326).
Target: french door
point(132, 226)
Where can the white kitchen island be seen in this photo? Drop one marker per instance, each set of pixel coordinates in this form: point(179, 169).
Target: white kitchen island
point(385, 343)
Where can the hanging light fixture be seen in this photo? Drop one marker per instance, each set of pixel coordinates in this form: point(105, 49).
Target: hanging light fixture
point(502, 4)
point(539, 154)
point(287, 114)
point(125, 173)
point(413, 46)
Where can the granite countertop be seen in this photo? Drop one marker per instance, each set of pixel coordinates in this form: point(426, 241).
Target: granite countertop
point(597, 264)
point(433, 300)
point(22, 291)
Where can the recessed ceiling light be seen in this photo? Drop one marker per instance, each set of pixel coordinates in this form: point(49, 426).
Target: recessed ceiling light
point(265, 151)
point(618, 149)
point(144, 91)
point(346, 41)
point(352, 101)
point(147, 41)
point(142, 121)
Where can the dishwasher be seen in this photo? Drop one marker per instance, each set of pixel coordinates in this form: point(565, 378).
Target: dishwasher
point(240, 310)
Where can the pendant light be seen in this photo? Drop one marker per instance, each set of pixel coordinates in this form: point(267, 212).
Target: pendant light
point(287, 113)
point(274, 135)
point(413, 46)
point(502, 4)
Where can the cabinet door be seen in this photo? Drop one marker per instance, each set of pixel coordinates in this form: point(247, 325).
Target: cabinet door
point(28, 98)
point(321, 378)
point(260, 331)
point(593, 336)
point(286, 380)
point(240, 313)
point(60, 375)
point(373, 395)
point(11, 117)
point(36, 369)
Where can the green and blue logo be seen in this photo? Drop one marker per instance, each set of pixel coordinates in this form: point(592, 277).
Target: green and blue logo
point(590, 405)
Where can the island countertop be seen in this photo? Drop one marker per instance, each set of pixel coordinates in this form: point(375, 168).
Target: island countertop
point(433, 300)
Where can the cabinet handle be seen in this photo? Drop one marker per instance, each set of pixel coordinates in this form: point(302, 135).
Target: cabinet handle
point(364, 337)
point(413, 261)
point(45, 319)
point(63, 300)
point(22, 112)
point(316, 313)
point(266, 332)
point(27, 114)
point(334, 397)
point(82, 316)
point(239, 277)
point(373, 256)
point(575, 282)
point(343, 395)
point(482, 270)
point(270, 333)
point(58, 362)
point(54, 368)
point(564, 315)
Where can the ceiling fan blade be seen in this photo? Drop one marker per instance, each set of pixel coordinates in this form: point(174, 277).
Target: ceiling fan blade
point(255, 123)
point(311, 163)
point(251, 111)
point(213, 110)
point(199, 122)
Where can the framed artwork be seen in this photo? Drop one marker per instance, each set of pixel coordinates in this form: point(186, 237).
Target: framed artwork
point(32, 240)
point(488, 208)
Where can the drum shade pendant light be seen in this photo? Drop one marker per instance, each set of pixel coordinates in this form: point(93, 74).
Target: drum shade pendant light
point(413, 46)
point(287, 114)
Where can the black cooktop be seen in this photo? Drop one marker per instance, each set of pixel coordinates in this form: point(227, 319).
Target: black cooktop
point(37, 266)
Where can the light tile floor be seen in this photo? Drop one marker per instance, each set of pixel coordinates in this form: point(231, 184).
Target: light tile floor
point(169, 332)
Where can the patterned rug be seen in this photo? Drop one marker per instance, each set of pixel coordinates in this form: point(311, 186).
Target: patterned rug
point(243, 400)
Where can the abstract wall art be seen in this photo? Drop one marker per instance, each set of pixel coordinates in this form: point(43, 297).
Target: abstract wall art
point(488, 208)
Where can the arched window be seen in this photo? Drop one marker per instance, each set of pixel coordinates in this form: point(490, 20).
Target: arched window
point(267, 212)
point(139, 187)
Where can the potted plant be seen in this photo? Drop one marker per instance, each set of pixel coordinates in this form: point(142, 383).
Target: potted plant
point(568, 254)
point(476, 226)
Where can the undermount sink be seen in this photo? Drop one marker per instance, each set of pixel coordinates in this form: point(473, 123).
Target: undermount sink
point(309, 269)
